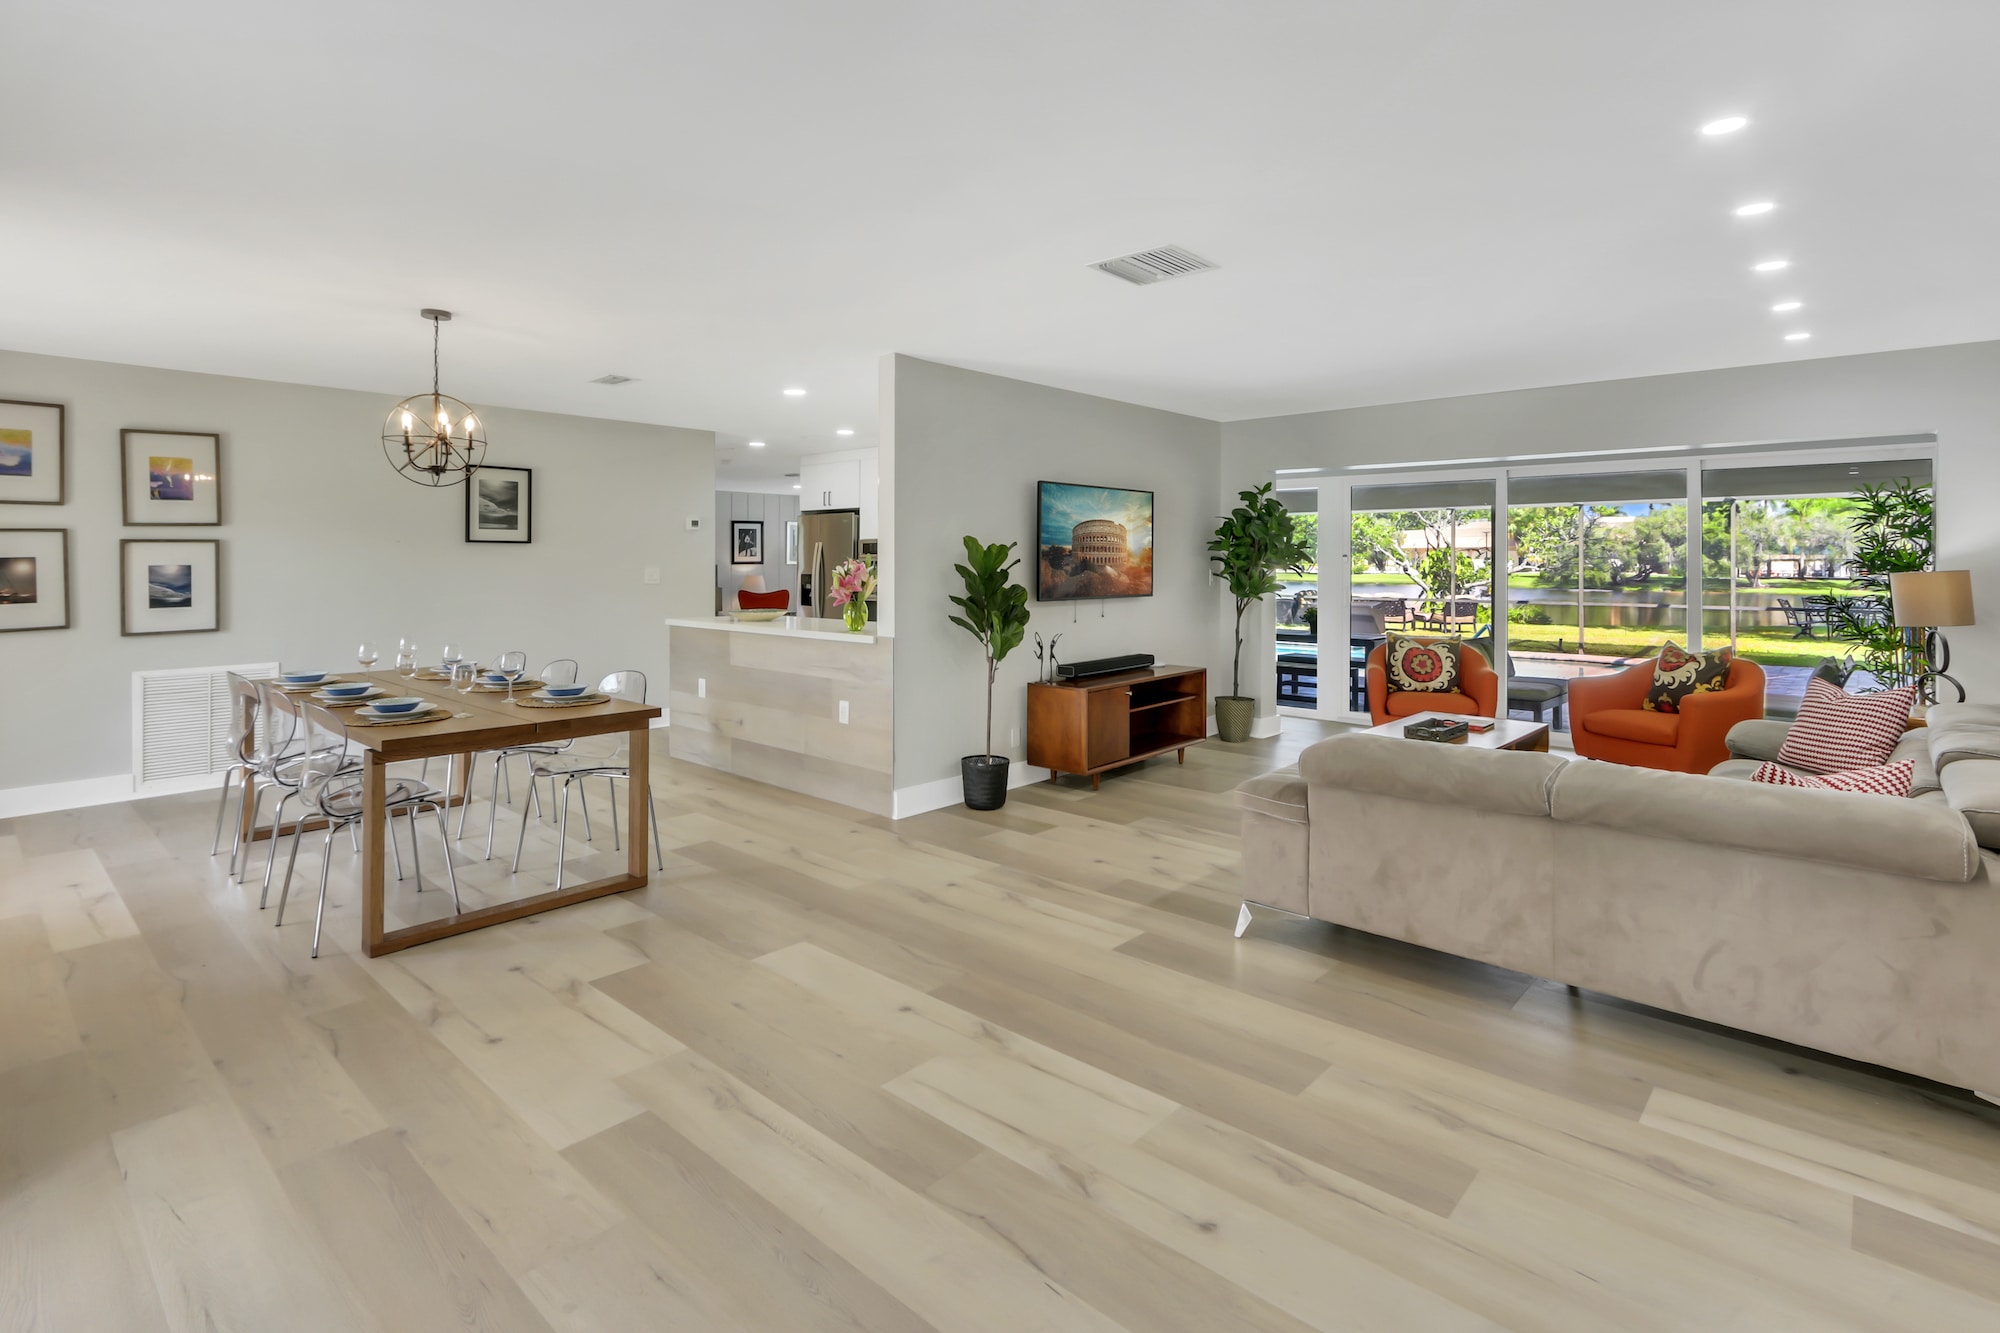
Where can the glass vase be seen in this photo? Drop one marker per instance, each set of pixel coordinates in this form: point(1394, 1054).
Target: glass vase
point(855, 613)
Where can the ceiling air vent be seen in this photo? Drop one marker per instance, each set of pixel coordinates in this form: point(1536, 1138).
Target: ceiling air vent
point(612, 379)
point(1150, 266)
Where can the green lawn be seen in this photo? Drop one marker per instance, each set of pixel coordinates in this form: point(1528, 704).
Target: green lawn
point(1771, 647)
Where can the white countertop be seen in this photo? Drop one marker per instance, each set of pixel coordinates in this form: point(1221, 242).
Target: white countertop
point(786, 627)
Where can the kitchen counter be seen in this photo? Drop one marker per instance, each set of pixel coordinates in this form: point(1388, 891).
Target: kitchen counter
point(797, 703)
point(789, 627)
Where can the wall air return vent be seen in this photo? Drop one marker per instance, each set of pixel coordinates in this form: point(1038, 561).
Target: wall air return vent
point(1150, 266)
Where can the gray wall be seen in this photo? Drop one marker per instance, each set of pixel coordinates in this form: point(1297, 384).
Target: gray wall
point(323, 545)
point(774, 511)
point(1952, 391)
point(968, 449)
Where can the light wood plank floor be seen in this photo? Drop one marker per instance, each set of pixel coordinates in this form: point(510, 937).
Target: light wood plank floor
point(986, 1072)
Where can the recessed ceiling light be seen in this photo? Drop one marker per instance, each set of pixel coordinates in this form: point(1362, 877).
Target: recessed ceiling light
point(845, 430)
point(795, 393)
point(756, 444)
point(1798, 337)
point(1757, 209)
point(1727, 125)
point(795, 485)
point(1771, 265)
point(612, 379)
point(1786, 307)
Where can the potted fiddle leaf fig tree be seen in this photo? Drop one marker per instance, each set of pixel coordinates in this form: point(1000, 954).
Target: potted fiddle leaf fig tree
point(995, 613)
point(1250, 548)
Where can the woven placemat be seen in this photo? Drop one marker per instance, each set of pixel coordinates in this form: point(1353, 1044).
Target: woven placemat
point(431, 715)
point(528, 701)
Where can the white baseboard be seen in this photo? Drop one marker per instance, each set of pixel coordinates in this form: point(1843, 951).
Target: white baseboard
point(660, 723)
point(40, 800)
point(17, 801)
point(1263, 727)
point(928, 796)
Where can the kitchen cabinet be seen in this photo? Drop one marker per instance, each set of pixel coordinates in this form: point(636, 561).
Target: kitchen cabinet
point(834, 484)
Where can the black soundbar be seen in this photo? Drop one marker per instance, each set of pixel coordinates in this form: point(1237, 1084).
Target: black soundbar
point(1103, 666)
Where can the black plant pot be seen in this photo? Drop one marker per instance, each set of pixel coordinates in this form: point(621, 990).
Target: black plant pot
point(985, 781)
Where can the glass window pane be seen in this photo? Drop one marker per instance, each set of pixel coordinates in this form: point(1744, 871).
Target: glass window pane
point(1596, 578)
point(1779, 580)
point(1422, 562)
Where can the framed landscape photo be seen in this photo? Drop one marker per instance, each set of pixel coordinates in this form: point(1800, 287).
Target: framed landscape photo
point(746, 541)
point(173, 478)
point(34, 578)
point(169, 587)
point(500, 505)
point(31, 453)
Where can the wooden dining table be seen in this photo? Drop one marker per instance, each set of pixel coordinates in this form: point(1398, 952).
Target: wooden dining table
point(479, 721)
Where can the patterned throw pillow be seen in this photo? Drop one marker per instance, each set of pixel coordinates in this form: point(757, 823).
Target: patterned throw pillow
point(1680, 673)
point(1838, 732)
point(1421, 666)
point(1882, 780)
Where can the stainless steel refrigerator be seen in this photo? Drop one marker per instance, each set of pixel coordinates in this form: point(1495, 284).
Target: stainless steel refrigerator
point(826, 538)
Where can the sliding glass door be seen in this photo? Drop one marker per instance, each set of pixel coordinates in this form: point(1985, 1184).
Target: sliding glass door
point(1592, 569)
point(1778, 578)
point(1595, 576)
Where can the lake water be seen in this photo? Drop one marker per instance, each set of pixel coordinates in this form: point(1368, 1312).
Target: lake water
point(1623, 608)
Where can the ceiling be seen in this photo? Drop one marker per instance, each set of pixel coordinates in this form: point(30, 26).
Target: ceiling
point(720, 200)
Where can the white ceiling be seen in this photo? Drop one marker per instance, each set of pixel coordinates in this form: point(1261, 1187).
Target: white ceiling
point(1407, 199)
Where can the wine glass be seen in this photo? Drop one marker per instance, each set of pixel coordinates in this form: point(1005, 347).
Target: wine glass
point(367, 655)
point(464, 675)
point(453, 655)
point(513, 666)
point(406, 660)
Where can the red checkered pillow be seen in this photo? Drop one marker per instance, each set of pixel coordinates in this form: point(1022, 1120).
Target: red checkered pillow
point(1839, 732)
point(1882, 780)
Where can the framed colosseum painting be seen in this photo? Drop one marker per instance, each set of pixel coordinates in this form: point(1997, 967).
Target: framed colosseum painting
point(1094, 541)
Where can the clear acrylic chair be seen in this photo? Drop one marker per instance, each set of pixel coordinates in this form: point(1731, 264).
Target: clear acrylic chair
point(572, 769)
point(274, 762)
point(561, 671)
point(245, 708)
point(330, 786)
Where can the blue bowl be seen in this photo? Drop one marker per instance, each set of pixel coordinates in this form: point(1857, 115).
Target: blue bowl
point(346, 691)
point(303, 677)
point(492, 678)
point(397, 705)
point(565, 691)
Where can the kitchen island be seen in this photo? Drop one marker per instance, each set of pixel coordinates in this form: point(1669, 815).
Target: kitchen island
point(798, 703)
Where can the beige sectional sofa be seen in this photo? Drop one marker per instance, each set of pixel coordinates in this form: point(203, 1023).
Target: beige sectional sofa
point(1866, 926)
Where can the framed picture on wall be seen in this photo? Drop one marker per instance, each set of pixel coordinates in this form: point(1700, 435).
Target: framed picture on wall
point(34, 578)
point(791, 541)
point(500, 505)
point(746, 541)
point(31, 453)
point(172, 478)
point(169, 587)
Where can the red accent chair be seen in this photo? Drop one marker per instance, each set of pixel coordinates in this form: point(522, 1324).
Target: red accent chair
point(1478, 691)
point(781, 600)
point(1608, 718)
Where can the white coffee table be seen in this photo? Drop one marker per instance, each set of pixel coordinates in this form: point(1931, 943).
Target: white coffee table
point(1507, 734)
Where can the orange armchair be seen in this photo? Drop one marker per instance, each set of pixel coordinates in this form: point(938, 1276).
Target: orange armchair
point(1608, 718)
point(1478, 689)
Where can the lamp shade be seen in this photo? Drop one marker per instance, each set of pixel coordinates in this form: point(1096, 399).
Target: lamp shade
point(1932, 598)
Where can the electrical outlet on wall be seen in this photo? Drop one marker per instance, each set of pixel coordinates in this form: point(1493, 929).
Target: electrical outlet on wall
point(843, 712)
point(694, 524)
point(701, 687)
point(652, 574)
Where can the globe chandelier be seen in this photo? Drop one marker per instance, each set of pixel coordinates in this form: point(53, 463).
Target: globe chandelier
point(432, 438)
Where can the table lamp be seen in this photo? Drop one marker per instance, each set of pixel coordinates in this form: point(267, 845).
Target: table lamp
point(1924, 601)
